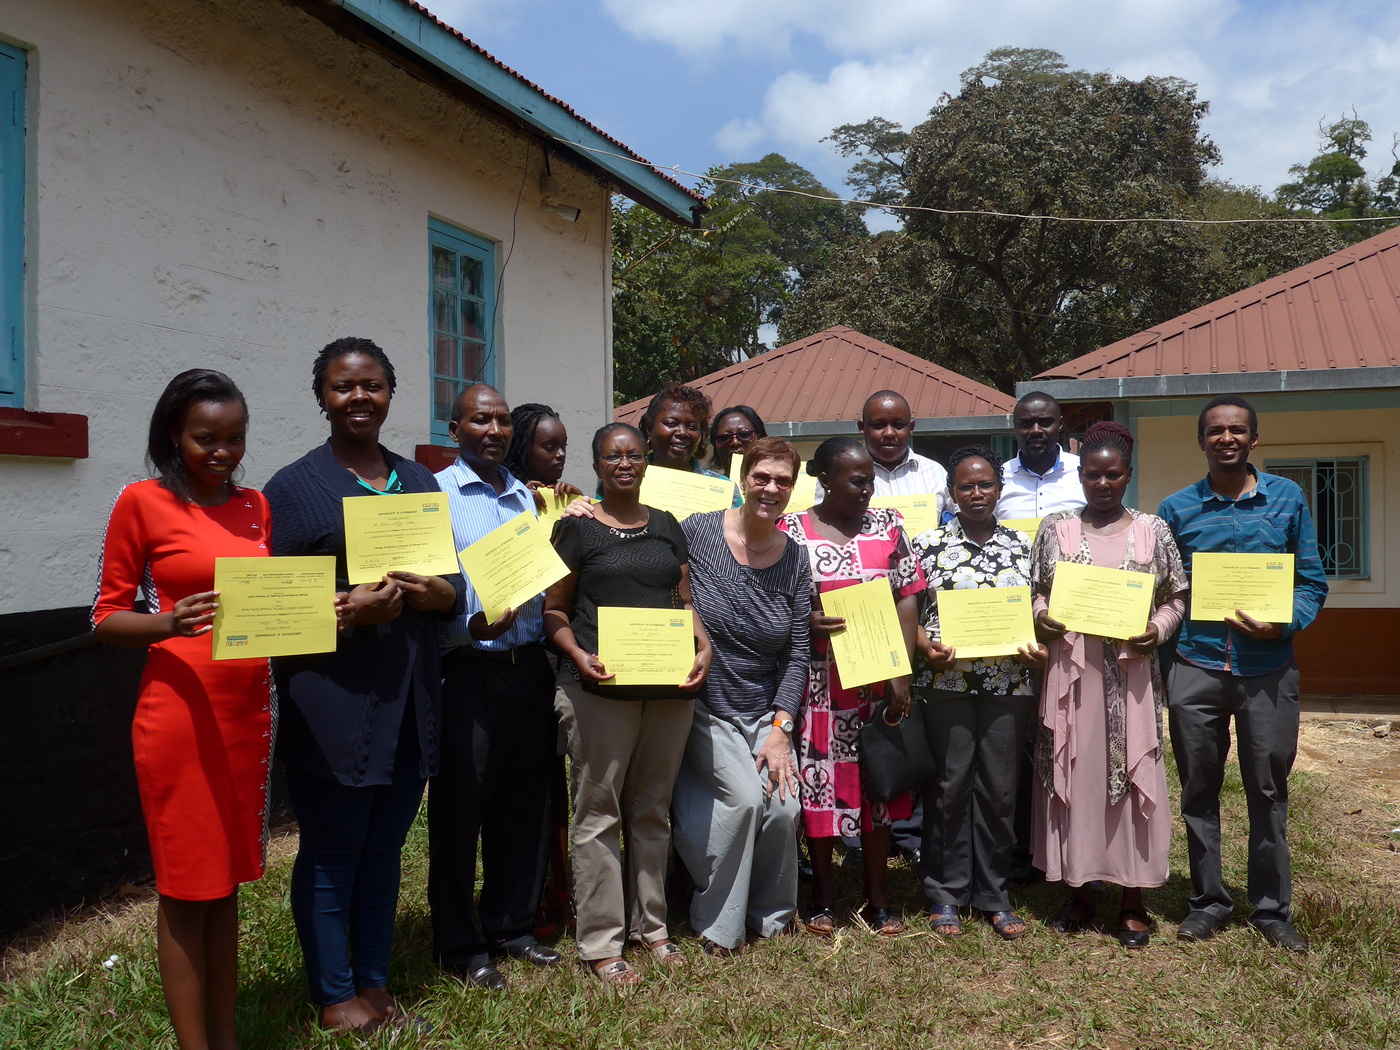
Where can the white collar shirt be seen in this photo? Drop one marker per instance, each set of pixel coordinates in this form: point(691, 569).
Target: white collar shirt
point(916, 476)
point(1025, 494)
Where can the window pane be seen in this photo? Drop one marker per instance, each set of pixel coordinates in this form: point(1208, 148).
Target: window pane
point(444, 394)
point(445, 356)
point(473, 360)
point(444, 311)
point(444, 267)
point(473, 320)
point(471, 276)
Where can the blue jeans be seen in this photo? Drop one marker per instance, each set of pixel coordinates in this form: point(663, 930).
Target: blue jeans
point(345, 883)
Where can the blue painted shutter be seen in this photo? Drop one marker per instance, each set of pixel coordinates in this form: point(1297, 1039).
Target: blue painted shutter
point(11, 225)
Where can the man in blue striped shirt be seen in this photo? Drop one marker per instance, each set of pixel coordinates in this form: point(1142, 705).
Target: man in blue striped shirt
point(1243, 668)
point(498, 730)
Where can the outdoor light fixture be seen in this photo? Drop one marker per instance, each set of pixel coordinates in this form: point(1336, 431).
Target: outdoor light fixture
point(565, 212)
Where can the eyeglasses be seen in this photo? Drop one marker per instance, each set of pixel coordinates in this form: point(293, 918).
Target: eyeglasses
point(978, 486)
point(736, 435)
point(762, 481)
point(618, 457)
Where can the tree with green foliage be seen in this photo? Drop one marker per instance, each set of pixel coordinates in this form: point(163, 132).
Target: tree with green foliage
point(1335, 184)
point(685, 302)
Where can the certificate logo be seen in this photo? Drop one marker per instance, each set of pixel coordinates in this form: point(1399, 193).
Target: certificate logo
point(430, 508)
point(235, 641)
point(1274, 566)
point(523, 529)
point(1015, 599)
point(1135, 585)
point(676, 621)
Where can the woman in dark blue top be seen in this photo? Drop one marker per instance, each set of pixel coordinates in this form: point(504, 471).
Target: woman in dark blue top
point(359, 726)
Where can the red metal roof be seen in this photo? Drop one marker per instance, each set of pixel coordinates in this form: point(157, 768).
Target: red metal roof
point(829, 375)
point(545, 94)
point(1342, 311)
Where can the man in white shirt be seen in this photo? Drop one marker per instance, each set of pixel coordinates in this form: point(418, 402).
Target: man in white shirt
point(1041, 478)
point(887, 425)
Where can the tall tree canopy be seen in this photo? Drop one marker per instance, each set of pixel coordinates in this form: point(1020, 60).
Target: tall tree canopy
point(1335, 185)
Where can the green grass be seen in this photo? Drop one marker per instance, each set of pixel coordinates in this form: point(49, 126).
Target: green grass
point(802, 992)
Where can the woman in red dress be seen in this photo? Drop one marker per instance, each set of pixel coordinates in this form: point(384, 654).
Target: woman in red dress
point(202, 735)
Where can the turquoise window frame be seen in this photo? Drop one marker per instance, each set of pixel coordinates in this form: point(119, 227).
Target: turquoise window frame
point(13, 67)
point(461, 319)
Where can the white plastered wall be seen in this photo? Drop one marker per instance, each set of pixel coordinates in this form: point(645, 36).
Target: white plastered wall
point(232, 184)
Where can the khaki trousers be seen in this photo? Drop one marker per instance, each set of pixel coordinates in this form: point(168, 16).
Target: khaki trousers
point(625, 755)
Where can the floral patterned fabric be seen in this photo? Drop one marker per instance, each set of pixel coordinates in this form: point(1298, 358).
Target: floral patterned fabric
point(951, 562)
point(828, 752)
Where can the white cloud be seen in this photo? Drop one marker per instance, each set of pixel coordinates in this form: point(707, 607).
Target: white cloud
point(477, 18)
point(1269, 72)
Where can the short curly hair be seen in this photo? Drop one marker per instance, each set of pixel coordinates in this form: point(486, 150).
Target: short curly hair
point(974, 452)
point(679, 394)
point(345, 347)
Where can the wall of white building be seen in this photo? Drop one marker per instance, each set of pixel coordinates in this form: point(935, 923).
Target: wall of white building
point(233, 184)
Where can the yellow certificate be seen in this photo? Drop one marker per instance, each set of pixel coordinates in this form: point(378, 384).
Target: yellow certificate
point(553, 505)
point(871, 646)
point(411, 532)
point(920, 511)
point(804, 492)
point(1260, 584)
point(511, 564)
point(1111, 603)
point(684, 493)
point(1030, 526)
point(985, 621)
point(646, 646)
point(274, 607)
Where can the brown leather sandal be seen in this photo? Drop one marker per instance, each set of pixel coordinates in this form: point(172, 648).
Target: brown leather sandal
point(615, 971)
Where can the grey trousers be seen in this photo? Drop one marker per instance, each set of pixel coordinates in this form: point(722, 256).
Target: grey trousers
point(738, 842)
point(625, 756)
point(970, 802)
point(1200, 704)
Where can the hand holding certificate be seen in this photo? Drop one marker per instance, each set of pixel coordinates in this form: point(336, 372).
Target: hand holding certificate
point(986, 621)
point(1260, 585)
point(871, 647)
point(683, 493)
point(274, 607)
point(646, 646)
point(411, 532)
point(511, 564)
point(1110, 603)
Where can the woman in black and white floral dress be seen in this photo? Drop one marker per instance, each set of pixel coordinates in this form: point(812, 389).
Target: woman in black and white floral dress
point(977, 713)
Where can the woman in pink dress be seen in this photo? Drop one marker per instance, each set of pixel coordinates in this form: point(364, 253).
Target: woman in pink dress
point(849, 543)
point(1100, 805)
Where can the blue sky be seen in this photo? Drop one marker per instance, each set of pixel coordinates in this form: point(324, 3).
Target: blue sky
point(697, 84)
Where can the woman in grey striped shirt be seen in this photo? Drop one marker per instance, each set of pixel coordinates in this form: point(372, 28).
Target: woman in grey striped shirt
point(735, 804)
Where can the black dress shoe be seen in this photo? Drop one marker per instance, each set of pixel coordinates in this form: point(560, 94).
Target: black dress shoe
point(1282, 933)
point(486, 976)
point(1128, 937)
point(535, 954)
point(1198, 926)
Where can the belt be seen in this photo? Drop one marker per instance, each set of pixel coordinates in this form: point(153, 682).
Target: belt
point(517, 655)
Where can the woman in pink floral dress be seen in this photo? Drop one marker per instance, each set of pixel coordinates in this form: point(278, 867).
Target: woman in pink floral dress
point(848, 543)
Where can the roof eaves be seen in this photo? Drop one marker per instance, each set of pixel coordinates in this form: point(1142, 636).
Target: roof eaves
point(435, 43)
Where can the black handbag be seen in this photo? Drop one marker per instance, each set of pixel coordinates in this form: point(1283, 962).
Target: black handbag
point(895, 758)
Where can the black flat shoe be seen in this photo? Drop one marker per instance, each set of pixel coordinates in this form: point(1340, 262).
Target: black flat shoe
point(1198, 926)
point(534, 954)
point(1282, 933)
point(1128, 937)
point(486, 976)
point(1073, 917)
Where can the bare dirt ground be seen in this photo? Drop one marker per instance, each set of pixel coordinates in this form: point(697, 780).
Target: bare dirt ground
point(1362, 799)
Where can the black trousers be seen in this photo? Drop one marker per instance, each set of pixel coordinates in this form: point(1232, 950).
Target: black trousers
point(493, 788)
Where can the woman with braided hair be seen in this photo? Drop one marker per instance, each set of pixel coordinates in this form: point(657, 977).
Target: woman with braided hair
point(1100, 806)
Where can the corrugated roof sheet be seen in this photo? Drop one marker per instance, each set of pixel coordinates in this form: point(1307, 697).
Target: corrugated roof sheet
point(829, 375)
point(1342, 311)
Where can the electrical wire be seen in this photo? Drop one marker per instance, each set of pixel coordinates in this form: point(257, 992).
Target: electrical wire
point(1161, 220)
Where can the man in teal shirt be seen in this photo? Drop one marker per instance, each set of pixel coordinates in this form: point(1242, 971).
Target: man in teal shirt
point(1242, 668)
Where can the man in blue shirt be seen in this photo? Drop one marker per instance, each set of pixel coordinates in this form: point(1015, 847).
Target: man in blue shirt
point(1242, 668)
point(498, 730)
